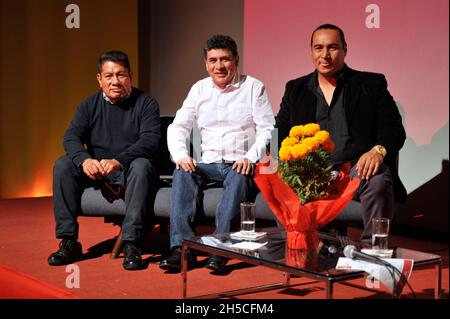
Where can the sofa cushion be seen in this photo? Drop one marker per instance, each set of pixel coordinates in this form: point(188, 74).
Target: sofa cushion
point(352, 213)
point(211, 199)
point(94, 203)
point(162, 202)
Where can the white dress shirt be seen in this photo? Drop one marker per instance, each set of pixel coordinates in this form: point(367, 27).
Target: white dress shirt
point(233, 123)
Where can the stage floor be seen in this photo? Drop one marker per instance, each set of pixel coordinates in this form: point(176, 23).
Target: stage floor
point(27, 238)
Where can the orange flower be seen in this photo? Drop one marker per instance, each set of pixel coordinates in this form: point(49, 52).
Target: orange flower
point(311, 143)
point(311, 129)
point(303, 140)
point(322, 136)
point(296, 131)
point(285, 153)
point(289, 141)
point(299, 151)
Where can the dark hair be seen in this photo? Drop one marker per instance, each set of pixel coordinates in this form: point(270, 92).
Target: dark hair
point(329, 26)
point(114, 56)
point(220, 41)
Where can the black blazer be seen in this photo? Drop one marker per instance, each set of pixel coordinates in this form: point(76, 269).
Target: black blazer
point(372, 115)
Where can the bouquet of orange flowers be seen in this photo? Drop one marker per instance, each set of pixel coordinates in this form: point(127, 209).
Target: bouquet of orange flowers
point(304, 166)
point(303, 192)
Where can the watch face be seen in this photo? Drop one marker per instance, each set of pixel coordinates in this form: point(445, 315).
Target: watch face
point(380, 149)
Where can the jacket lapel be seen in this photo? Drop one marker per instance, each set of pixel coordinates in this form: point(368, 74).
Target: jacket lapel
point(352, 94)
point(308, 109)
point(307, 103)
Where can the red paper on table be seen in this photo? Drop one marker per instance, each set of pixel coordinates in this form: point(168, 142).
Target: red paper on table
point(298, 218)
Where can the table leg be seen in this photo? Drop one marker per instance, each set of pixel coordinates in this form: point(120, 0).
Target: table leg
point(287, 279)
point(329, 289)
point(437, 288)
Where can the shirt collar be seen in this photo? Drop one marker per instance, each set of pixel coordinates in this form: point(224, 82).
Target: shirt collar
point(341, 77)
point(123, 99)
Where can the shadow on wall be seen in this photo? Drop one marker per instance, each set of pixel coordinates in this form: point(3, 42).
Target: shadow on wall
point(426, 211)
point(424, 172)
point(420, 163)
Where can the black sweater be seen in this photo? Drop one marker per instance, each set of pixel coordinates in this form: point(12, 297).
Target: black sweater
point(123, 131)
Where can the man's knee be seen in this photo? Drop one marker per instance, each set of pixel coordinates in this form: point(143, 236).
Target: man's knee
point(63, 166)
point(381, 184)
point(238, 180)
point(142, 166)
point(180, 174)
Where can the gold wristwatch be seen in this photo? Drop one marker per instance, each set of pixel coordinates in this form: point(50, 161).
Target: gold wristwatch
point(380, 149)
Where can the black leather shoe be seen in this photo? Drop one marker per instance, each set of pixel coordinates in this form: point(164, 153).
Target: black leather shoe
point(216, 263)
point(69, 251)
point(132, 259)
point(173, 263)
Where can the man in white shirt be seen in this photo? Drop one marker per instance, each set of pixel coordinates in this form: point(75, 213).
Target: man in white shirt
point(235, 121)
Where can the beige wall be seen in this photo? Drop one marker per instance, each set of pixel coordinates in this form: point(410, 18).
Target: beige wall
point(179, 29)
point(46, 70)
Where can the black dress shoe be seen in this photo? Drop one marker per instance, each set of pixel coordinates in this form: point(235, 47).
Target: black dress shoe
point(132, 259)
point(69, 251)
point(216, 263)
point(173, 263)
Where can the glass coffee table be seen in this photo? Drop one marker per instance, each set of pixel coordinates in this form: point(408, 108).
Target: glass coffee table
point(318, 264)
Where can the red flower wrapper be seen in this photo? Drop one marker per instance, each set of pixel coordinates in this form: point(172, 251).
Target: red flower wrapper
point(297, 218)
point(308, 255)
point(301, 258)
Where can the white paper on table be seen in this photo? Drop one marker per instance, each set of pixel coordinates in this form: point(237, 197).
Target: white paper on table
point(381, 253)
point(213, 241)
point(380, 272)
point(244, 245)
point(249, 245)
point(248, 236)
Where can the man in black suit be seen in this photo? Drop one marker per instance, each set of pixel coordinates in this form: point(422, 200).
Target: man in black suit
point(361, 116)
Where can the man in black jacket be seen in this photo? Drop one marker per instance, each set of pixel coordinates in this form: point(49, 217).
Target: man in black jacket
point(361, 116)
point(111, 142)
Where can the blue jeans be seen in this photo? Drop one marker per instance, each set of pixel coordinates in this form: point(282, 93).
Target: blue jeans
point(185, 191)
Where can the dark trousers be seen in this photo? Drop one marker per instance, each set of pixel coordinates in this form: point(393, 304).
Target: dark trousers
point(377, 198)
point(69, 181)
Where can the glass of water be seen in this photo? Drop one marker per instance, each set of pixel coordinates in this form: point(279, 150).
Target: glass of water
point(380, 233)
point(248, 217)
